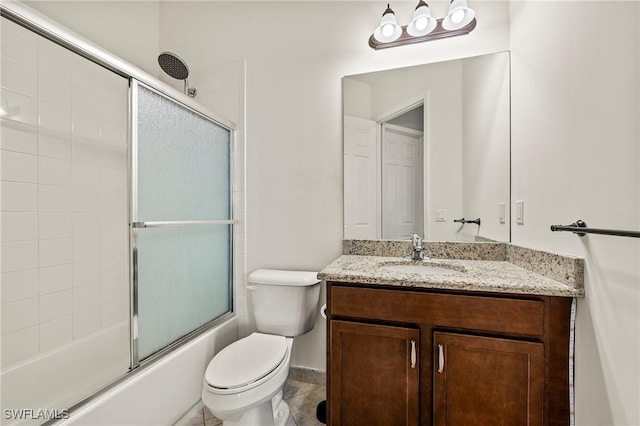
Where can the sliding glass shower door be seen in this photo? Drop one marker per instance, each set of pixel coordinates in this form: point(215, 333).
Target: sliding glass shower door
point(181, 221)
point(116, 219)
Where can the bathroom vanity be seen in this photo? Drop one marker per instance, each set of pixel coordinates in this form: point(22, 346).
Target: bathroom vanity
point(484, 342)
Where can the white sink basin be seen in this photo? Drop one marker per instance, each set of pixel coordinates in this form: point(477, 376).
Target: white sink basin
point(421, 269)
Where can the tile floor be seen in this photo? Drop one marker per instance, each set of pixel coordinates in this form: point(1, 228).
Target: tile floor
point(302, 398)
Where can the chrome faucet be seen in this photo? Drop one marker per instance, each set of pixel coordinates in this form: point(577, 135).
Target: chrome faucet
point(417, 252)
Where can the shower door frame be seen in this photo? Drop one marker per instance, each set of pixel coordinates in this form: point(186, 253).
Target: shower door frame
point(41, 25)
point(134, 225)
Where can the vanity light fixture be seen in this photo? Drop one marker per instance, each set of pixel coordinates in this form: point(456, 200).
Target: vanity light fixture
point(459, 15)
point(422, 23)
point(460, 20)
point(388, 30)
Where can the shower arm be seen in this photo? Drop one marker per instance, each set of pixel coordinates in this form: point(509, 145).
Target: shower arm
point(189, 91)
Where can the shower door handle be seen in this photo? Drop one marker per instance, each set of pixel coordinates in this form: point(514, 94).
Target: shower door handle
point(178, 223)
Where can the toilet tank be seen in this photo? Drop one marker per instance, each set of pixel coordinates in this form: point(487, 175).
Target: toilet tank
point(284, 302)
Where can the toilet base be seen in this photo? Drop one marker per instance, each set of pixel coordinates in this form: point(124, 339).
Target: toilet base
point(264, 414)
point(281, 414)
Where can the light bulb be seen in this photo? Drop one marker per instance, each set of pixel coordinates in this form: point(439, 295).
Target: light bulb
point(387, 30)
point(457, 16)
point(421, 23)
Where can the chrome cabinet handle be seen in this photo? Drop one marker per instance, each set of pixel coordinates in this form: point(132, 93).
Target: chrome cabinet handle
point(440, 358)
point(413, 354)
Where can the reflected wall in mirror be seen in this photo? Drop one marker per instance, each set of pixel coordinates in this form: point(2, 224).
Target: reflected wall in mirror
point(426, 145)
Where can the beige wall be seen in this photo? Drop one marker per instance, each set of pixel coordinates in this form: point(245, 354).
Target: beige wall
point(127, 28)
point(486, 144)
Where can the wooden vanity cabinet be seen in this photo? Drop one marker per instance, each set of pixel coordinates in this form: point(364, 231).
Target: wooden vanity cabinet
point(399, 356)
point(374, 374)
point(487, 381)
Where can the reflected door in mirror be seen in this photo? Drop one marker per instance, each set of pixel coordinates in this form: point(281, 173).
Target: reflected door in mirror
point(361, 177)
point(402, 210)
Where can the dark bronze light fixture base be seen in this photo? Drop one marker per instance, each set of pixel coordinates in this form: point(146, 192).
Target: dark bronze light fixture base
point(436, 34)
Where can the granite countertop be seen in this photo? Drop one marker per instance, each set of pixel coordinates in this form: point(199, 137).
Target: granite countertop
point(497, 276)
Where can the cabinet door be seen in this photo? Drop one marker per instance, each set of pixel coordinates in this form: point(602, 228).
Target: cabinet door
point(487, 381)
point(374, 374)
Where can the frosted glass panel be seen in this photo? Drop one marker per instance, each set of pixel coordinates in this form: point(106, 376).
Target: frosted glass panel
point(183, 282)
point(183, 173)
point(183, 163)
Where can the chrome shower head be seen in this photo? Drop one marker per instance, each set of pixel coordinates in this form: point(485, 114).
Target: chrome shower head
point(176, 68)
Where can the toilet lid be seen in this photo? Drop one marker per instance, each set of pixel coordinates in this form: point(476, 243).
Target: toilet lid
point(245, 361)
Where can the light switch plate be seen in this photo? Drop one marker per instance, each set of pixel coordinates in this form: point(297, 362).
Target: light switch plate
point(520, 212)
point(441, 215)
point(501, 212)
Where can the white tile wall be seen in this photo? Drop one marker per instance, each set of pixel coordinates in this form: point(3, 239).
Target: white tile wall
point(19, 44)
point(86, 322)
point(56, 305)
point(20, 314)
point(51, 144)
point(54, 279)
point(54, 118)
point(19, 226)
point(86, 297)
point(20, 344)
point(19, 108)
point(52, 171)
point(19, 255)
point(85, 199)
point(55, 252)
point(55, 91)
point(19, 167)
point(112, 201)
point(18, 138)
point(63, 153)
point(55, 61)
point(56, 332)
point(19, 197)
point(19, 78)
point(85, 273)
point(53, 333)
point(54, 225)
point(63, 174)
point(113, 312)
point(19, 285)
point(85, 151)
point(54, 198)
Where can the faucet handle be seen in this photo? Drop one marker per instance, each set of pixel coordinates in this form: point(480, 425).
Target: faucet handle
point(418, 251)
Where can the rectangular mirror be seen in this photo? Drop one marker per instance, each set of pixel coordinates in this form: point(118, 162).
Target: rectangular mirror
point(427, 145)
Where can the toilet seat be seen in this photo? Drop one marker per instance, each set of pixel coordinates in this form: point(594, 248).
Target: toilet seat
point(246, 363)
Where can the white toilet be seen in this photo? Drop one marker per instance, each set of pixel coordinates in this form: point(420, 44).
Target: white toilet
point(243, 382)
